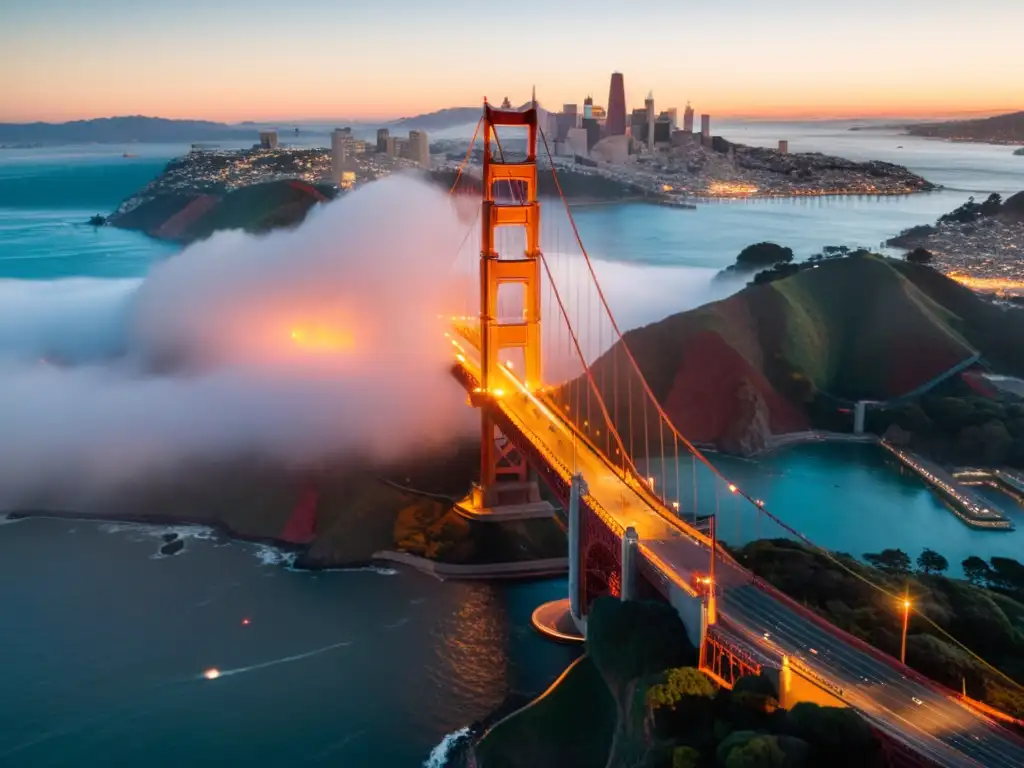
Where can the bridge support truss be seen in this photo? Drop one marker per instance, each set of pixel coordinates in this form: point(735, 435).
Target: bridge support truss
point(723, 663)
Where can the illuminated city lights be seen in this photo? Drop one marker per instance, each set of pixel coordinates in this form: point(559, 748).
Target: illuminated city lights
point(212, 673)
point(988, 284)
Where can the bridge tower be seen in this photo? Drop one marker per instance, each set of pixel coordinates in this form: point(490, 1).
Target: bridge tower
point(504, 473)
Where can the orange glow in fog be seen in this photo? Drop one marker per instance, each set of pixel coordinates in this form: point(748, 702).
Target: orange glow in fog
point(318, 339)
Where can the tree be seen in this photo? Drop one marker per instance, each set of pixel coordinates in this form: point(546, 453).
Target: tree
point(894, 561)
point(1007, 573)
point(679, 682)
point(930, 561)
point(920, 256)
point(685, 757)
point(976, 570)
point(761, 751)
point(763, 255)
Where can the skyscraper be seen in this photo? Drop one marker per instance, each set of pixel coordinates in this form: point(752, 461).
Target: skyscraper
point(649, 107)
point(419, 148)
point(342, 148)
point(615, 125)
point(705, 127)
point(688, 118)
point(382, 139)
point(588, 108)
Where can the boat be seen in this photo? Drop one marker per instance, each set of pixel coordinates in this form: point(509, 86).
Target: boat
point(128, 154)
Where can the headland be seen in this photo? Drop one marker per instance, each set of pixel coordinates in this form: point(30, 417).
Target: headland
point(979, 244)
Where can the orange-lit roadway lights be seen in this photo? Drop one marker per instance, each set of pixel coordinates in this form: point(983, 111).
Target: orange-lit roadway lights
point(212, 673)
point(906, 620)
point(732, 488)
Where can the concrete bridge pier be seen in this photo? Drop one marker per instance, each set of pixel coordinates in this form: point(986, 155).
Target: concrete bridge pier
point(630, 552)
point(564, 619)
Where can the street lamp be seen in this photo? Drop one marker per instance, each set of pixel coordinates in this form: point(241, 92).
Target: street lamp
point(906, 621)
point(712, 602)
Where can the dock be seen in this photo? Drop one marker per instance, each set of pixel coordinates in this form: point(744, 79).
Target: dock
point(965, 504)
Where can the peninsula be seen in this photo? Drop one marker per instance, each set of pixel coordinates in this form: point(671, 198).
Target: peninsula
point(253, 189)
point(1001, 129)
point(979, 244)
point(692, 171)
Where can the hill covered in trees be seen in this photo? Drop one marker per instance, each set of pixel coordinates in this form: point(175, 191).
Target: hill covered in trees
point(777, 355)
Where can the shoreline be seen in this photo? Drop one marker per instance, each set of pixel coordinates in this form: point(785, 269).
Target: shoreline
point(222, 529)
point(527, 569)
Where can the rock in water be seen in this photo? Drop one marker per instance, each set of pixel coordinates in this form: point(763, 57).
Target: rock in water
point(750, 431)
point(173, 547)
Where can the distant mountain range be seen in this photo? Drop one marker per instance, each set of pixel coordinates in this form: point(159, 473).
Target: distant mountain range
point(116, 130)
point(1001, 129)
point(452, 117)
point(440, 120)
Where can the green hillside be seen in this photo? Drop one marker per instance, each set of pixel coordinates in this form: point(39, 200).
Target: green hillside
point(186, 217)
point(861, 327)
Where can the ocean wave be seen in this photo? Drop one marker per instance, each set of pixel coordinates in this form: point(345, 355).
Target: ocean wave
point(271, 555)
point(440, 754)
point(8, 520)
point(154, 531)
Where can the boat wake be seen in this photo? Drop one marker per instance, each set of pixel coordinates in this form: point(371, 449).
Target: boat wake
point(216, 674)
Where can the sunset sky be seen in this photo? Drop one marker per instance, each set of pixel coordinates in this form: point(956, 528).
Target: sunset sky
point(323, 59)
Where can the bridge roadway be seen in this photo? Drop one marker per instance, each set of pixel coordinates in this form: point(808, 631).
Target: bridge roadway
point(883, 691)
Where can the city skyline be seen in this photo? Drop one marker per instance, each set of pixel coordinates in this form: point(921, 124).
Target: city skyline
point(247, 61)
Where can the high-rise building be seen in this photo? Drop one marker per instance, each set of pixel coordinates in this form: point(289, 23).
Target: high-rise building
point(268, 139)
point(784, 146)
point(663, 130)
point(419, 148)
point(638, 125)
point(588, 107)
point(615, 125)
point(673, 117)
point(705, 127)
point(649, 109)
point(688, 118)
point(382, 139)
point(565, 121)
point(593, 129)
point(342, 150)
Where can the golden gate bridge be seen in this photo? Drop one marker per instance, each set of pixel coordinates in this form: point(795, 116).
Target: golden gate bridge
point(566, 401)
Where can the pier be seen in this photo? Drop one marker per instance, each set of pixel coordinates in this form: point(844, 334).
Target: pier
point(964, 503)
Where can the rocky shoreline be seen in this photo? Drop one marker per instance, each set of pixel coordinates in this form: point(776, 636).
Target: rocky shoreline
point(223, 532)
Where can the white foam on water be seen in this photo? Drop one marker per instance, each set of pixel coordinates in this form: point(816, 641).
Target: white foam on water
point(379, 570)
point(8, 520)
point(439, 755)
point(153, 531)
point(269, 555)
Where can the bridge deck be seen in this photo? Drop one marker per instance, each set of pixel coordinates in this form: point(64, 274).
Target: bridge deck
point(878, 687)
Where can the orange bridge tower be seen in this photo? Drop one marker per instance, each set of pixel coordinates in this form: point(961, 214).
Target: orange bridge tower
point(504, 473)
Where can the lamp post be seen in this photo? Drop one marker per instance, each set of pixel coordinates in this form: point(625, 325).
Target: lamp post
point(906, 621)
point(712, 604)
